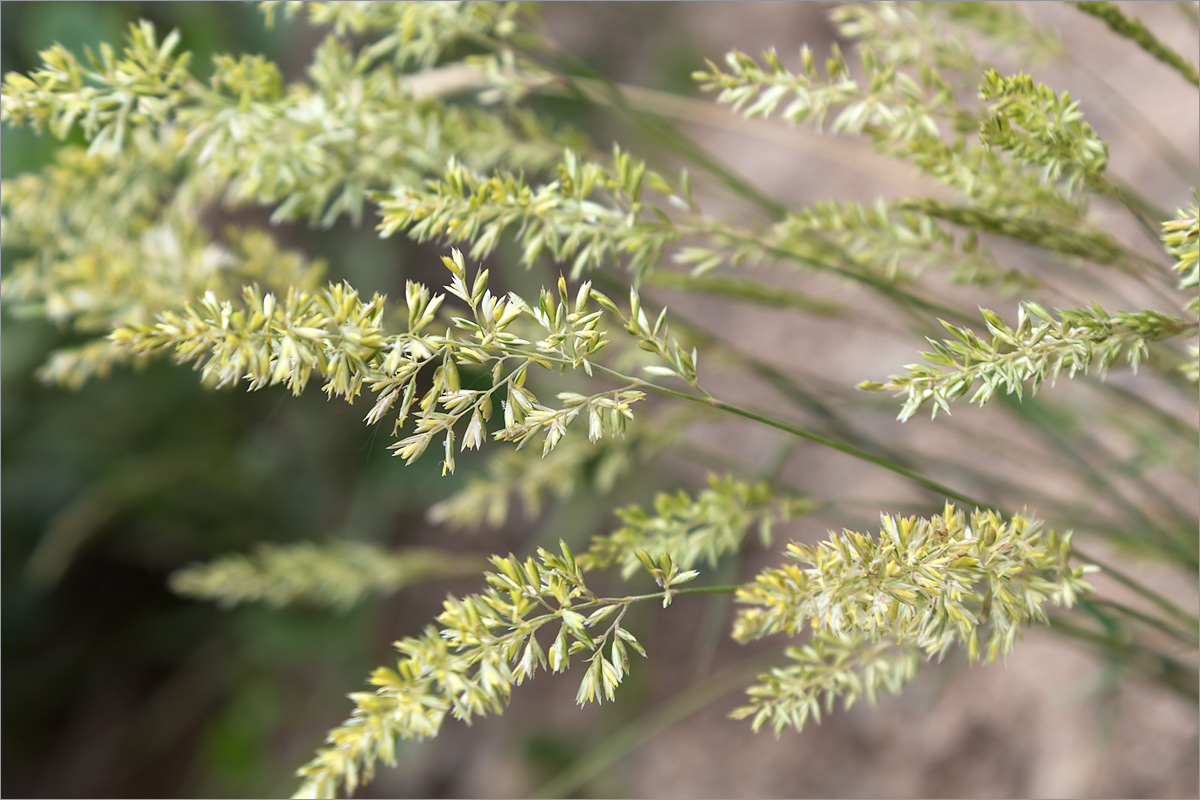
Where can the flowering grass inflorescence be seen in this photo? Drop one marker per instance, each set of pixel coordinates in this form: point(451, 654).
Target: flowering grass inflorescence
point(418, 111)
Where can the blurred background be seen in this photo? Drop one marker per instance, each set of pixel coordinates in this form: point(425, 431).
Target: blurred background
point(114, 687)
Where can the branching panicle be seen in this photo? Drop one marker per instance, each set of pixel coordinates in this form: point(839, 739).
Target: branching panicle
point(590, 215)
point(1044, 129)
point(338, 575)
point(130, 245)
point(830, 666)
point(711, 526)
point(109, 96)
point(1181, 236)
point(113, 241)
point(337, 336)
point(165, 148)
point(1034, 151)
point(574, 464)
point(1025, 356)
point(874, 602)
point(414, 33)
point(932, 582)
point(897, 241)
point(485, 645)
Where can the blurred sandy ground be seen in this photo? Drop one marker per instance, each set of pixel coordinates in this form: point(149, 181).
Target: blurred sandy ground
point(1049, 723)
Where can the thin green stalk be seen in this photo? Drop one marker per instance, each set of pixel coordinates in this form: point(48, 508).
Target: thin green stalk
point(724, 286)
point(1132, 28)
point(713, 627)
point(1149, 219)
point(1127, 652)
point(1174, 425)
point(1008, 456)
point(1154, 622)
point(705, 590)
point(1148, 214)
point(1033, 416)
point(915, 477)
point(840, 429)
point(584, 82)
point(662, 130)
point(1189, 11)
point(684, 108)
point(598, 88)
point(1164, 148)
point(711, 459)
point(635, 598)
point(891, 292)
point(1173, 673)
point(1151, 225)
point(1154, 597)
point(911, 475)
point(773, 468)
point(1058, 239)
point(1173, 378)
point(804, 399)
point(715, 622)
point(794, 392)
point(70, 529)
point(891, 466)
point(803, 433)
point(645, 727)
point(1178, 675)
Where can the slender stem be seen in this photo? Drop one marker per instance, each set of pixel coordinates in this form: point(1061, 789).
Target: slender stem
point(1133, 29)
point(842, 447)
point(738, 289)
point(1083, 455)
point(791, 389)
point(706, 590)
point(1167, 151)
point(773, 468)
point(598, 88)
point(674, 592)
point(889, 291)
point(681, 144)
point(1140, 267)
point(1129, 583)
point(1175, 674)
point(1148, 215)
point(805, 399)
point(703, 112)
point(917, 478)
point(1176, 426)
point(1189, 11)
point(705, 399)
point(627, 738)
point(833, 444)
point(892, 293)
point(1154, 622)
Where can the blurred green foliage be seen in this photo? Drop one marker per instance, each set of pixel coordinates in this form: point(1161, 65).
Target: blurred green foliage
point(102, 498)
